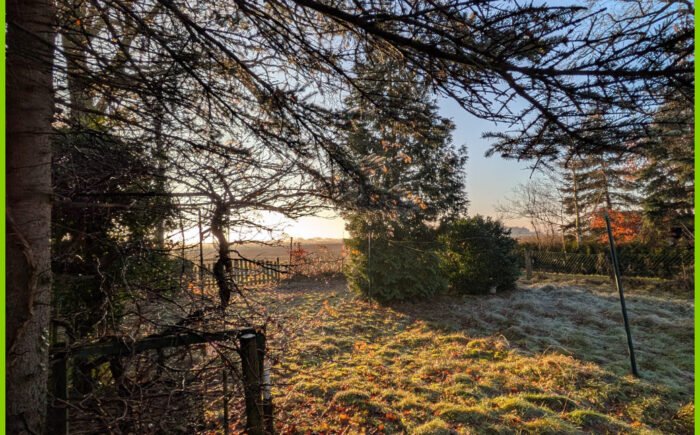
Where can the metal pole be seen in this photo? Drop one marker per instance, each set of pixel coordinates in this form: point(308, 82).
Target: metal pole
point(618, 283)
point(528, 264)
point(201, 248)
point(369, 266)
point(225, 399)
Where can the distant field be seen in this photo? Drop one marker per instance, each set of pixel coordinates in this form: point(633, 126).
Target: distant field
point(317, 247)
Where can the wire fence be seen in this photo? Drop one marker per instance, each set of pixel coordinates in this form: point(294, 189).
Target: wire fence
point(665, 265)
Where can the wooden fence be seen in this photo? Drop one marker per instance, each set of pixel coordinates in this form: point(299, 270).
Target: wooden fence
point(247, 272)
point(252, 347)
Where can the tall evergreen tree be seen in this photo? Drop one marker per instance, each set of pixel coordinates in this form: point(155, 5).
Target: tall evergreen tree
point(667, 177)
point(571, 197)
point(406, 149)
point(594, 183)
point(405, 146)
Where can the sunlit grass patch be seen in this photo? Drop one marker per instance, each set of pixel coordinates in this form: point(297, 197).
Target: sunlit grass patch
point(548, 426)
point(554, 402)
point(472, 415)
point(453, 367)
point(434, 427)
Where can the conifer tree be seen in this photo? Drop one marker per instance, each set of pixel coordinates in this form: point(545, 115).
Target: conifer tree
point(406, 149)
point(594, 183)
point(667, 177)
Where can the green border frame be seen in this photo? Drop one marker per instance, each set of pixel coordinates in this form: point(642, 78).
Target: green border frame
point(2, 219)
point(697, 220)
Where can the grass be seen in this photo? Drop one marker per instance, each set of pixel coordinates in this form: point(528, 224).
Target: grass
point(547, 358)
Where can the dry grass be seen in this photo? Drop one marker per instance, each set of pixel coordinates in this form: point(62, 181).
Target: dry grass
point(548, 358)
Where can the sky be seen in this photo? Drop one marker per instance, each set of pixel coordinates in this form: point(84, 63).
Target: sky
point(488, 180)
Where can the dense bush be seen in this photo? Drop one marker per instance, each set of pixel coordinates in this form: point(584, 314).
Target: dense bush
point(403, 265)
point(478, 255)
point(398, 270)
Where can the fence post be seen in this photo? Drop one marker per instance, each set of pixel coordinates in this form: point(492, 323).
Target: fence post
point(369, 266)
point(277, 269)
point(618, 282)
point(201, 250)
point(264, 370)
point(251, 382)
point(224, 380)
point(57, 417)
point(528, 264)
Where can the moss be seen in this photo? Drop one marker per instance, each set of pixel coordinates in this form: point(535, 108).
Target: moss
point(554, 402)
point(435, 427)
point(463, 414)
point(524, 409)
point(309, 388)
point(351, 397)
point(548, 426)
point(595, 421)
point(426, 393)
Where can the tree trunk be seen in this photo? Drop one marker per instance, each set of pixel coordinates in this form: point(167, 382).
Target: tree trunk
point(606, 187)
point(28, 269)
point(576, 206)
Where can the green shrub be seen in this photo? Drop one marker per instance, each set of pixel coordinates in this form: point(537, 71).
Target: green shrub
point(402, 263)
point(479, 254)
point(399, 270)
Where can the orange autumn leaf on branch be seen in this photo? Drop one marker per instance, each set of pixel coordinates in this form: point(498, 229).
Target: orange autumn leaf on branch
point(625, 225)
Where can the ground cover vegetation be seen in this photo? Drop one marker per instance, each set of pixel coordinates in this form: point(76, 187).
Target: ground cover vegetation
point(547, 358)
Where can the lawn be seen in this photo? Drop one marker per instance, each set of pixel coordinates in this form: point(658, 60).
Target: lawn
point(548, 358)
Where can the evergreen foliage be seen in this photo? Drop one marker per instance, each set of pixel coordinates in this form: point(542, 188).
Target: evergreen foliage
point(407, 152)
point(403, 267)
point(667, 177)
point(600, 183)
point(102, 253)
point(404, 146)
point(479, 255)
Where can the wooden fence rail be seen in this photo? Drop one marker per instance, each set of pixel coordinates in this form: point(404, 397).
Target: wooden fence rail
point(248, 272)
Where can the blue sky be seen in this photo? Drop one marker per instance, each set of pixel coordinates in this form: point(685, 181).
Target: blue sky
point(489, 180)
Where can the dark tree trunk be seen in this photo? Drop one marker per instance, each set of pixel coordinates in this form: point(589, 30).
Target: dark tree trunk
point(223, 266)
point(29, 106)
